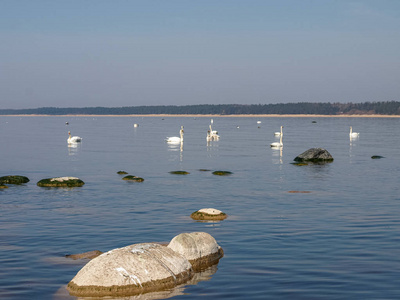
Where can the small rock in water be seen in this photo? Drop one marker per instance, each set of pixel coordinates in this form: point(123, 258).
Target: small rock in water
point(14, 179)
point(376, 157)
point(61, 182)
point(222, 173)
point(122, 172)
point(85, 255)
point(133, 178)
point(179, 172)
point(208, 214)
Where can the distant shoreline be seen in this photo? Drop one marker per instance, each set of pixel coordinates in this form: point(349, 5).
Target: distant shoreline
point(212, 116)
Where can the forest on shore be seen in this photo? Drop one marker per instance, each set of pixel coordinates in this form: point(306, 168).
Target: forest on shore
point(366, 108)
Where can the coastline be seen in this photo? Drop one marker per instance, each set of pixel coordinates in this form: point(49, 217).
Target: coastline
point(212, 116)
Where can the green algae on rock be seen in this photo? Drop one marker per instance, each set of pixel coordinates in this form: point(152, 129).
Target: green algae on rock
point(206, 214)
point(133, 178)
point(122, 172)
point(14, 179)
point(377, 157)
point(61, 182)
point(222, 173)
point(299, 164)
point(2, 186)
point(179, 172)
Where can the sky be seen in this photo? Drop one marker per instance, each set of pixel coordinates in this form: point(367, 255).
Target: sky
point(114, 53)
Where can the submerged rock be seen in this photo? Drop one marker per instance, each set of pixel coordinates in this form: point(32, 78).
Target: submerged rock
point(222, 173)
point(208, 214)
point(133, 178)
point(61, 182)
point(14, 179)
point(122, 172)
point(315, 155)
point(179, 172)
point(85, 255)
point(200, 248)
point(377, 157)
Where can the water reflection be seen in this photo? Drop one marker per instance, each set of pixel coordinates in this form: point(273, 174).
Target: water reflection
point(73, 149)
point(176, 147)
point(205, 275)
point(277, 154)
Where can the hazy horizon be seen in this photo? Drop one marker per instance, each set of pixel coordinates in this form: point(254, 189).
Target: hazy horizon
point(148, 53)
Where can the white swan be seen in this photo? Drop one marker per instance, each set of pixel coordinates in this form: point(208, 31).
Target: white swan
point(73, 139)
point(278, 133)
point(353, 134)
point(212, 135)
point(175, 139)
point(278, 144)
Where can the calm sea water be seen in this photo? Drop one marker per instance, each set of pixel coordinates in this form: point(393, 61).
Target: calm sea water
point(340, 240)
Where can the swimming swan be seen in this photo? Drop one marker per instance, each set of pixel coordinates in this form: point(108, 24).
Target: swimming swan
point(278, 144)
point(353, 134)
point(175, 139)
point(73, 139)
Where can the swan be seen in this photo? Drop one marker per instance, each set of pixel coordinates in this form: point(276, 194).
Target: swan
point(278, 144)
point(353, 134)
point(175, 139)
point(278, 133)
point(73, 139)
point(212, 135)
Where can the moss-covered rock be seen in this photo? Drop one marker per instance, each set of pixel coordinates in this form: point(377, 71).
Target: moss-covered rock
point(14, 179)
point(222, 173)
point(133, 178)
point(211, 214)
point(2, 186)
point(61, 182)
point(376, 157)
point(179, 172)
point(122, 172)
point(204, 170)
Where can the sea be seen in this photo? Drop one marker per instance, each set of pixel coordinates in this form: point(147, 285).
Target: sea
point(316, 231)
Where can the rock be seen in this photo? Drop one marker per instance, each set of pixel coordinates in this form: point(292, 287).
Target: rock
point(122, 172)
point(315, 155)
point(222, 173)
point(85, 255)
point(2, 186)
point(133, 178)
point(61, 182)
point(200, 248)
point(14, 179)
point(179, 172)
point(208, 214)
point(204, 170)
point(131, 270)
point(377, 157)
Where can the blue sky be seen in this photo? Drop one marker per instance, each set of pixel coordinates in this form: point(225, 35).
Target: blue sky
point(80, 53)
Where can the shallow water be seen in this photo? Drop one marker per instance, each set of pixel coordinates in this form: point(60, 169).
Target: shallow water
point(339, 240)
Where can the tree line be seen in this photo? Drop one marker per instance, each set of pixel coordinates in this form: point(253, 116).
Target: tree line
point(379, 108)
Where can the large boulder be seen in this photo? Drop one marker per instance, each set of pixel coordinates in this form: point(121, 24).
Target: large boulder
point(200, 248)
point(315, 155)
point(148, 267)
point(130, 270)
